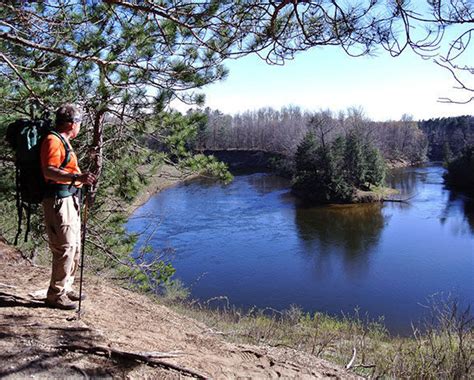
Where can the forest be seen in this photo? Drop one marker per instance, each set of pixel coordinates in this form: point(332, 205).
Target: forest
point(448, 137)
point(280, 131)
point(285, 132)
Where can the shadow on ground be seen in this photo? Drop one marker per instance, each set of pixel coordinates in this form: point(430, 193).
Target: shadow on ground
point(36, 340)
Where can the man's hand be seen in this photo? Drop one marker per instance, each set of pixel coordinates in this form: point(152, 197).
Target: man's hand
point(87, 178)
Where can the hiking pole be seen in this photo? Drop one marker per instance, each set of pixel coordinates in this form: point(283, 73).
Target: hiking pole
point(83, 243)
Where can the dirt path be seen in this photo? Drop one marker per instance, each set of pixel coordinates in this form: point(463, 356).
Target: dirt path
point(118, 331)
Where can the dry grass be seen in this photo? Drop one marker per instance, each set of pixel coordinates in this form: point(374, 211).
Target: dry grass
point(441, 348)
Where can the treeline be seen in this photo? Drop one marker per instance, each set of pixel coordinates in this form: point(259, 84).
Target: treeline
point(281, 131)
point(451, 140)
point(290, 130)
point(460, 173)
point(448, 137)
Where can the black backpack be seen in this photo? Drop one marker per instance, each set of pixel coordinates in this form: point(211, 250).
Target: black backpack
point(25, 138)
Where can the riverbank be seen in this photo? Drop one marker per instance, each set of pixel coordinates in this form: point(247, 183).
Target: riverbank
point(148, 340)
point(355, 230)
point(399, 163)
point(154, 338)
point(166, 176)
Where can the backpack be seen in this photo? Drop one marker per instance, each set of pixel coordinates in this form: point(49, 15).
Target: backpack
point(25, 138)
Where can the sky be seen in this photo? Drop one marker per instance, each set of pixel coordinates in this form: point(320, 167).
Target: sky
point(326, 78)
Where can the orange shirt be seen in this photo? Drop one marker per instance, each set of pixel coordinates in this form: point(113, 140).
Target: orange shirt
point(53, 153)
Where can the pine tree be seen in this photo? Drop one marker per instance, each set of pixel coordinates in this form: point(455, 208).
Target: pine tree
point(375, 172)
point(333, 172)
point(354, 159)
point(460, 173)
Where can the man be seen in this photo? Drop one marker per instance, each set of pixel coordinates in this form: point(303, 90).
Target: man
point(61, 205)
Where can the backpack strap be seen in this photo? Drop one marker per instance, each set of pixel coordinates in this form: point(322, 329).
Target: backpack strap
point(62, 190)
point(19, 204)
point(66, 148)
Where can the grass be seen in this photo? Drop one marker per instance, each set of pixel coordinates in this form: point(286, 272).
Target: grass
point(443, 347)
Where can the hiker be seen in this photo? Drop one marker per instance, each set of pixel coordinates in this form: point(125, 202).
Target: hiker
point(61, 205)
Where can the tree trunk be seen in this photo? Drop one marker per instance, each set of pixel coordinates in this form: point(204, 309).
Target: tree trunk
point(97, 149)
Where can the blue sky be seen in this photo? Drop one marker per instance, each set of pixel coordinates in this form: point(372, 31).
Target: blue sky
point(322, 78)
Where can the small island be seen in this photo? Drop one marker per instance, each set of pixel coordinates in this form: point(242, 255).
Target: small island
point(347, 170)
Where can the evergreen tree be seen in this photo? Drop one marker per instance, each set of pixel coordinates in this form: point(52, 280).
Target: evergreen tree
point(354, 160)
point(375, 172)
point(339, 173)
point(460, 173)
point(447, 154)
point(447, 137)
point(305, 157)
point(332, 173)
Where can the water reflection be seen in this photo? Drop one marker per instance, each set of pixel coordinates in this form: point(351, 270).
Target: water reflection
point(353, 231)
point(423, 188)
point(459, 204)
point(469, 213)
point(405, 180)
point(258, 246)
point(267, 183)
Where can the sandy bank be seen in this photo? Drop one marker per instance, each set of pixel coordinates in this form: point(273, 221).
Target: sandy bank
point(123, 334)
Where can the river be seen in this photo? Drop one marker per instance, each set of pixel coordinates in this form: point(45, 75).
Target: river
point(252, 242)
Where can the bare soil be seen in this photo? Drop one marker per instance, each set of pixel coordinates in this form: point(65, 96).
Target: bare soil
point(122, 334)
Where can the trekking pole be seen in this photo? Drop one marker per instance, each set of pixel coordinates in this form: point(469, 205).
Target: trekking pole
point(83, 242)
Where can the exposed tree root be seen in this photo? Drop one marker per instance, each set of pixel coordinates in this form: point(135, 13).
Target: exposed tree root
point(145, 358)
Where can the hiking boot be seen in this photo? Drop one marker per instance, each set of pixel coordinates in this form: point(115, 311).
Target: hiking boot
point(62, 302)
point(74, 296)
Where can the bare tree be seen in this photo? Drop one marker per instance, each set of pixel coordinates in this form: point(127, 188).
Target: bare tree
point(323, 126)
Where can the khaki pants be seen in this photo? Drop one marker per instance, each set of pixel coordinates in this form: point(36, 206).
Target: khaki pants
point(63, 225)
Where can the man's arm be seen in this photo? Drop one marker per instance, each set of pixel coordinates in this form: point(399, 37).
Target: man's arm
point(59, 175)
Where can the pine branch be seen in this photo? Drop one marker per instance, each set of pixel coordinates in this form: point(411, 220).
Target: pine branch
point(23, 80)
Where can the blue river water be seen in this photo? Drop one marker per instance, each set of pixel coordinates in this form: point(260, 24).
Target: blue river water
point(252, 242)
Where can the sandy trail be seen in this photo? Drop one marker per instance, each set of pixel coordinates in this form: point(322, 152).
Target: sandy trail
point(116, 328)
